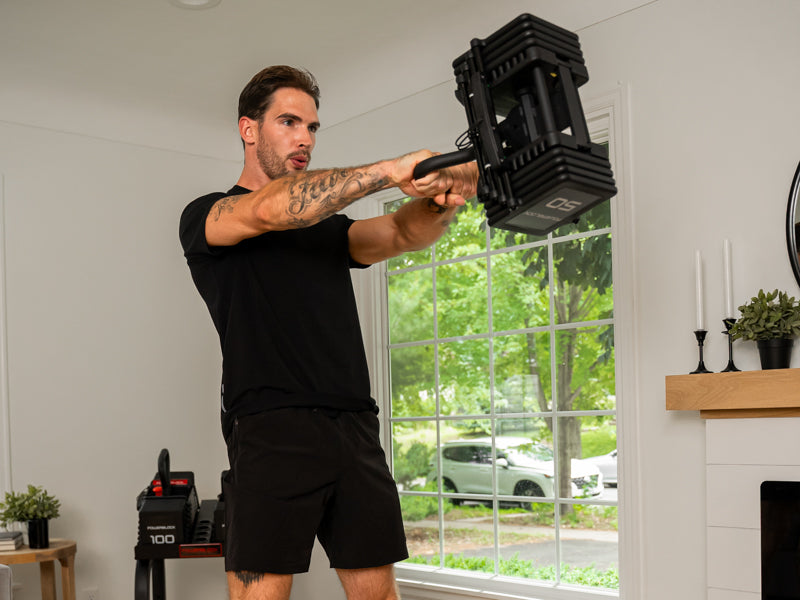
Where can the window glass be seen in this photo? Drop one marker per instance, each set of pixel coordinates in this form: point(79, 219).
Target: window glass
point(522, 372)
point(503, 401)
point(413, 378)
point(520, 289)
point(461, 298)
point(410, 306)
point(583, 289)
point(464, 377)
point(586, 380)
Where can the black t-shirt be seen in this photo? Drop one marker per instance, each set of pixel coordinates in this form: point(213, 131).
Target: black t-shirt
point(284, 308)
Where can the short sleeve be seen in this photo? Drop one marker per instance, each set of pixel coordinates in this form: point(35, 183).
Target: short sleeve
point(192, 228)
point(353, 263)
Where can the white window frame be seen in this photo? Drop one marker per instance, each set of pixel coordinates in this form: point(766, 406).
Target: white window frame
point(607, 118)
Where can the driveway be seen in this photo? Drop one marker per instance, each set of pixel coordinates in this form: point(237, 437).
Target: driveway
point(579, 547)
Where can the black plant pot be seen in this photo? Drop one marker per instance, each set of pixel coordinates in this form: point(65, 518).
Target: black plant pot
point(38, 533)
point(775, 353)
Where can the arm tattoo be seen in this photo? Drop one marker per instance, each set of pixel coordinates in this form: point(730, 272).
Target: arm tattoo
point(225, 205)
point(248, 577)
point(315, 196)
point(437, 208)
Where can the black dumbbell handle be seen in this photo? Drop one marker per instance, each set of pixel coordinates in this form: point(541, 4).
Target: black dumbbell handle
point(442, 161)
point(163, 472)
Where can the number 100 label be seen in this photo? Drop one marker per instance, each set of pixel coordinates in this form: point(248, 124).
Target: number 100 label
point(162, 539)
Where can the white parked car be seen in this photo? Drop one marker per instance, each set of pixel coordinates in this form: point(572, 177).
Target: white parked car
point(607, 463)
point(524, 468)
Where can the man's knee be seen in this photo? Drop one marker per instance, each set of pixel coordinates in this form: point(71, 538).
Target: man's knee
point(376, 583)
point(246, 585)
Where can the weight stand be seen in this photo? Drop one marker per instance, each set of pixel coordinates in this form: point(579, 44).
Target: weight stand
point(147, 569)
point(174, 524)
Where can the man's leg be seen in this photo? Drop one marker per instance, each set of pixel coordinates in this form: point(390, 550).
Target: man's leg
point(369, 584)
point(243, 585)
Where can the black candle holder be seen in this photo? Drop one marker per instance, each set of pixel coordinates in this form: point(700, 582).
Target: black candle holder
point(731, 367)
point(700, 334)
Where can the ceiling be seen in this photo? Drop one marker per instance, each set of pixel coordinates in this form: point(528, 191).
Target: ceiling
point(151, 56)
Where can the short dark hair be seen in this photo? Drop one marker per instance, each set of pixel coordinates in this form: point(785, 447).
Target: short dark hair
point(256, 96)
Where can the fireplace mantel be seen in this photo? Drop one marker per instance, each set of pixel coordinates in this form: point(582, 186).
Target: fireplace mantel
point(746, 394)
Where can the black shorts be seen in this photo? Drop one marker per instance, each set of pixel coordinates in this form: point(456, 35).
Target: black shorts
point(297, 473)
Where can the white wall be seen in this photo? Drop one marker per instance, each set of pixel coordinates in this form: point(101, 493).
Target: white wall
point(112, 355)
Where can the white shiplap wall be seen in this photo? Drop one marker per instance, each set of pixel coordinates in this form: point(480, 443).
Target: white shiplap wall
point(740, 455)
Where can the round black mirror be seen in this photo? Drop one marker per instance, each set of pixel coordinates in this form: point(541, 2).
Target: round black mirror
point(793, 224)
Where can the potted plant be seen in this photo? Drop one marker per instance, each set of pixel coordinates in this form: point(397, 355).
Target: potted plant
point(35, 507)
point(772, 320)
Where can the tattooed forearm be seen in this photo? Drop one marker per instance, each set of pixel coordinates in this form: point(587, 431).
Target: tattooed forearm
point(316, 196)
point(225, 205)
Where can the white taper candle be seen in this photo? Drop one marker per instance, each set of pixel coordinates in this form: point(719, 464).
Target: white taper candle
point(698, 272)
point(728, 280)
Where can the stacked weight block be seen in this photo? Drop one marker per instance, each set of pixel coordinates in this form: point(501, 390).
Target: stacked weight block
point(538, 167)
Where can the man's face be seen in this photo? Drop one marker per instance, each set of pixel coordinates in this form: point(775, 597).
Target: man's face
point(287, 133)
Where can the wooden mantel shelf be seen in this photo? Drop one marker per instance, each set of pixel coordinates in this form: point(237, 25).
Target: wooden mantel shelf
point(746, 394)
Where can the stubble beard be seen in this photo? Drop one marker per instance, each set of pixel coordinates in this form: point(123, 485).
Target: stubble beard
point(273, 165)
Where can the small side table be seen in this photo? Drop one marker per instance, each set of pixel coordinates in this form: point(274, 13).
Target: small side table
point(60, 550)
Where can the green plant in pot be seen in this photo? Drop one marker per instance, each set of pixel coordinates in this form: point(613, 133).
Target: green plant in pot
point(35, 507)
point(772, 320)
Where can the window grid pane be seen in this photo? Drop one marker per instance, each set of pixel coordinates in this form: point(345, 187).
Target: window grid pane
point(503, 404)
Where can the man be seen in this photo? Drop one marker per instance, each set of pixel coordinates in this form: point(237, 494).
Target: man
point(271, 259)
